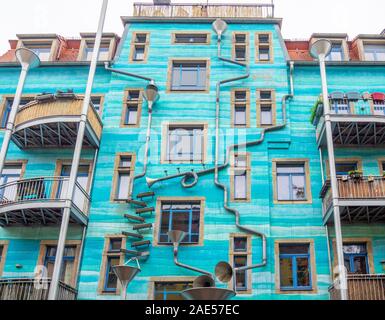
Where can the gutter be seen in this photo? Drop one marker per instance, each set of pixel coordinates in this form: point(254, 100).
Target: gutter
point(339, 63)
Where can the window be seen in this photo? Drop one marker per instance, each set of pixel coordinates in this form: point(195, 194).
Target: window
point(265, 108)
point(43, 50)
point(133, 101)
point(68, 264)
point(124, 169)
point(240, 46)
point(191, 38)
point(181, 215)
point(356, 258)
point(97, 102)
point(186, 143)
point(189, 76)
point(336, 53)
point(295, 267)
point(240, 256)
point(374, 52)
point(139, 46)
point(343, 168)
point(11, 173)
point(62, 188)
point(104, 51)
point(112, 256)
point(241, 108)
point(7, 106)
point(291, 181)
point(240, 178)
point(264, 48)
point(170, 290)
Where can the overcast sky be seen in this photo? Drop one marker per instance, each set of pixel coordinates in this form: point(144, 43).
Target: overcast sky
point(301, 17)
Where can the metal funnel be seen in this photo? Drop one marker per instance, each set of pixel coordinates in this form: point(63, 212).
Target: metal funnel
point(215, 294)
point(176, 236)
point(220, 27)
point(27, 57)
point(151, 93)
point(322, 46)
point(125, 274)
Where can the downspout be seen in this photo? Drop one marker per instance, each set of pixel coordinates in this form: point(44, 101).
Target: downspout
point(85, 228)
point(149, 124)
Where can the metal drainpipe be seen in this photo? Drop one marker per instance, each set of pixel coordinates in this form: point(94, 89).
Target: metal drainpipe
point(149, 125)
point(85, 228)
point(12, 116)
point(176, 247)
point(53, 290)
point(334, 182)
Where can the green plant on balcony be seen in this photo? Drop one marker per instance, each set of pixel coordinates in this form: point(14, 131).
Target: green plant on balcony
point(355, 175)
point(371, 178)
point(316, 112)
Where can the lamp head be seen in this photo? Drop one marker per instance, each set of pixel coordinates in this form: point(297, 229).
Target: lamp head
point(320, 47)
point(27, 57)
point(220, 27)
point(151, 94)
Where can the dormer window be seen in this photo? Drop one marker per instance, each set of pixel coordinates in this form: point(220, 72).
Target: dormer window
point(42, 50)
point(337, 53)
point(374, 52)
point(104, 52)
point(45, 46)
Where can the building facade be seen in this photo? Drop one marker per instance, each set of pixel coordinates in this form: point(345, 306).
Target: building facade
point(277, 179)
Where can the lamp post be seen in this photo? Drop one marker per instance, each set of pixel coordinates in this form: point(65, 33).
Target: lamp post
point(320, 50)
point(52, 295)
point(28, 60)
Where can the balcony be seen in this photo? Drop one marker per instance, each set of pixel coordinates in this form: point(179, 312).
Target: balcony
point(29, 289)
point(185, 10)
point(51, 121)
point(360, 200)
point(362, 287)
point(358, 122)
point(41, 201)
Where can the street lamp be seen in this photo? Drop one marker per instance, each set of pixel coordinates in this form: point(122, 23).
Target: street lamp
point(320, 50)
point(28, 60)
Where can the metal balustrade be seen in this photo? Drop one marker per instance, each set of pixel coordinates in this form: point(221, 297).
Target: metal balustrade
point(217, 10)
point(31, 289)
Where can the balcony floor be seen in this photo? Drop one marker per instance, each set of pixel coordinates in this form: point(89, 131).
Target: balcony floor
point(358, 214)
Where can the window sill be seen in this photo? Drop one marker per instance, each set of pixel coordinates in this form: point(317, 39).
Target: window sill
point(292, 202)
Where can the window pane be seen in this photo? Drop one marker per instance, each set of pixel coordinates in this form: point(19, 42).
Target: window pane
point(241, 276)
point(240, 38)
point(115, 244)
point(125, 162)
point(263, 38)
point(298, 187)
point(265, 95)
point(294, 248)
point(303, 274)
point(360, 265)
point(185, 144)
point(286, 272)
point(189, 76)
point(283, 187)
point(96, 101)
point(355, 248)
point(264, 54)
point(190, 38)
point(240, 186)
point(266, 115)
point(240, 53)
point(240, 244)
point(343, 168)
point(240, 116)
point(131, 115)
point(123, 185)
point(112, 280)
point(141, 38)
point(170, 290)
point(139, 53)
point(288, 168)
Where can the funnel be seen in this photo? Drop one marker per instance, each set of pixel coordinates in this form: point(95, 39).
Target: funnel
point(208, 294)
point(320, 47)
point(220, 27)
point(151, 93)
point(27, 57)
point(224, 272)
point(176, 236)
point(125, 274)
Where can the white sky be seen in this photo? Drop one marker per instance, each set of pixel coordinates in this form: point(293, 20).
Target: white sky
point(301, 17)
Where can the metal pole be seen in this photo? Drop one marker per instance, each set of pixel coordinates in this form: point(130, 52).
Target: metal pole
point(76, 159)
point(334, 182)
point(12, 116)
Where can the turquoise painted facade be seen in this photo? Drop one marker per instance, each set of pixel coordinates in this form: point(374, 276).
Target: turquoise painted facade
point(290, 222)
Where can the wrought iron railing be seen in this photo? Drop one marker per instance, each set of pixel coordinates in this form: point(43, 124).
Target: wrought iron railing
point(364, 188)
point(216, 10)
point(43, 189)
point(30, 289)
point(362, 287)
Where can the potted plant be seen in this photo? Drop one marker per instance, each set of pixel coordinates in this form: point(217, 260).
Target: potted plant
point(371, 178)
point(355, 175)
point(383, 175)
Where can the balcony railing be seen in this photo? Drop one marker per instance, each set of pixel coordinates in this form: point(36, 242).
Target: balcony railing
point(362, 287)
point(179, 10)
point(29, 289)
